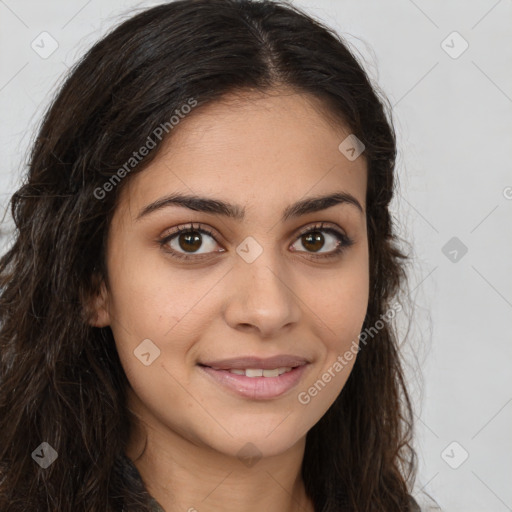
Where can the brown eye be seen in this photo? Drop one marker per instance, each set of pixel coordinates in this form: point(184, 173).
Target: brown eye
point(314, 240)
point(190, 241)
point(186, 242)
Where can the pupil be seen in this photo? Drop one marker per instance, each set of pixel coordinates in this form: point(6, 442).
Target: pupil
point(312, 239)
point(190, 241)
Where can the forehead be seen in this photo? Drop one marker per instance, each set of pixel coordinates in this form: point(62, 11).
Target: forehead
point(257, 148)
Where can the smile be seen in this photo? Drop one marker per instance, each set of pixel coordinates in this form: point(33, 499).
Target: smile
point(256, 383)
point(260, 372)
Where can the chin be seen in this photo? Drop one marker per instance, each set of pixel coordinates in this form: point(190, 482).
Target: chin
point(258, 443)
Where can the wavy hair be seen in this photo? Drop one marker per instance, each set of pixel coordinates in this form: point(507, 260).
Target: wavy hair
point(61, 380)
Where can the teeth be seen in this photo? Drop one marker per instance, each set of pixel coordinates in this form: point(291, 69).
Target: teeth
point(258, 372)
point(238, 372)
point(253, 373)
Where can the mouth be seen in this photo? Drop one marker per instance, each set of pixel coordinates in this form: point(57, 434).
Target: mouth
point(256, 378)
point(249, 362)
point(259, 372)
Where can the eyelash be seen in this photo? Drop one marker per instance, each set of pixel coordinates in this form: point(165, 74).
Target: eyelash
point(345, 241)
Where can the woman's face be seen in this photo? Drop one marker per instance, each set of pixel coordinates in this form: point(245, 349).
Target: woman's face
point(256, 287)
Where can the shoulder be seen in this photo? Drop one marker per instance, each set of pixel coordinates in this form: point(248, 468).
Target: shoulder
point(134, 479)
point(155, 506)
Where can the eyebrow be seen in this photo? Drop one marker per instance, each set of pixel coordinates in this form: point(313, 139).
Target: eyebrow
point(236, 212)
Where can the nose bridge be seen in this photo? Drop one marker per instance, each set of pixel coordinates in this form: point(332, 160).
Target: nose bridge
point(263, 294)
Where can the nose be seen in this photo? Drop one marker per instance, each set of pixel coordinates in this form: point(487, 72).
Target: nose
point(263, 299)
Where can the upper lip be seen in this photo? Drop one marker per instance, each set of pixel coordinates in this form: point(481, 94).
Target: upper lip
point(269, 363)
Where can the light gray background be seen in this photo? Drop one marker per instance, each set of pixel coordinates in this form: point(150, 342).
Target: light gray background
point(454, 122)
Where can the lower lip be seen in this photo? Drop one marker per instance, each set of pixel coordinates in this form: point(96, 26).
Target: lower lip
point(258, 388)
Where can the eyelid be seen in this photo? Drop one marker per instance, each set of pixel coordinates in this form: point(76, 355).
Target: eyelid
point(320, 226)
point(204, 228)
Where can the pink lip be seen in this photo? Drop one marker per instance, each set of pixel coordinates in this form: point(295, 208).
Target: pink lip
point(257, 388)
point(269, 363)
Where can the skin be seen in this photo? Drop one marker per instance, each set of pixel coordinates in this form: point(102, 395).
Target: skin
point(263, 152)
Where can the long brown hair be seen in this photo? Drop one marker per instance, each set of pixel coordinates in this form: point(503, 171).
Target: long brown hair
point(61, 380)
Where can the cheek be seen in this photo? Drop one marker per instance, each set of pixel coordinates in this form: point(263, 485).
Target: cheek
point(145, 301)
point(171, 309)
point(340, 302)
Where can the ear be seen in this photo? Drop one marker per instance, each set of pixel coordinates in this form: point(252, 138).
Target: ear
point(99, 315)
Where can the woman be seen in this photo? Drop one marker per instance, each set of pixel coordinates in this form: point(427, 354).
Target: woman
point(196, 308)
